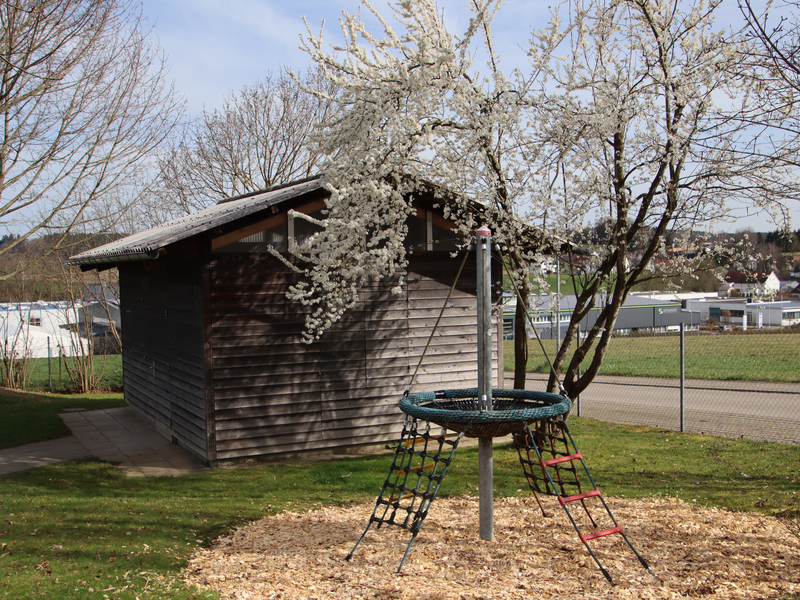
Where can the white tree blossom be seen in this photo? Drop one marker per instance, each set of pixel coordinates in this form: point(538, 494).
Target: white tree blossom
point(412, 116)
point(629, 111)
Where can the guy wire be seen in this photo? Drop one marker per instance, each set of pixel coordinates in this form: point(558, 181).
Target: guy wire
point(439, 318)
point(530, 321)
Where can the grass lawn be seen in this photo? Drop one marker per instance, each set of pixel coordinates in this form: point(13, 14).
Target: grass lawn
point(109, 368)
point(82, 529)
point(741, 357)
point(31, 417)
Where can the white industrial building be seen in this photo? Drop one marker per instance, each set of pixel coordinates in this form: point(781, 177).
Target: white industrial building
point(40, 329)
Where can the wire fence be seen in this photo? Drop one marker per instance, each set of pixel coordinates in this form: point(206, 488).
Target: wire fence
point(735, 384)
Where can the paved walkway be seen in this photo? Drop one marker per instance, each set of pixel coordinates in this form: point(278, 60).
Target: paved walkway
point(752, 409)
point(115, 435)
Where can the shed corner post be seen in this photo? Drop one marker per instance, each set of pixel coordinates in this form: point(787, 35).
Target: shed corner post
point(208, 359)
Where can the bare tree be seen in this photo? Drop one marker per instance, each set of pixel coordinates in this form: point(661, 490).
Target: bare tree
point(84, 100)
point(254, 141)
point(777, 33)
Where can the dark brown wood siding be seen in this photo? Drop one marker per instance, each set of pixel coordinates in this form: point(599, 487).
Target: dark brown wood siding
point(162, 338)
point(273, 394)
point(451, 360)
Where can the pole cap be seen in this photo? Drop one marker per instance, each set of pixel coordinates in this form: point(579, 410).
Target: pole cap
point(484, 231)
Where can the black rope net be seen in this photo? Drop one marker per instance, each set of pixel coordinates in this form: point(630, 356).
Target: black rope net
point(420, 463)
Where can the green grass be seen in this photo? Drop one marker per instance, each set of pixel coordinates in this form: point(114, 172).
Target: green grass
point(108, 367)
point(29, 417)
point(771, 357)
point(69, 528)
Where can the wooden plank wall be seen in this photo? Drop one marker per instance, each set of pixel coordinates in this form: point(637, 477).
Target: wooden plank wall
point(266, 383)
point(162, 337)
point(274, 395)
point(451, 361)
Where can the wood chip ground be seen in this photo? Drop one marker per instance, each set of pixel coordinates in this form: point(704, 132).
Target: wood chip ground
point(695, 552)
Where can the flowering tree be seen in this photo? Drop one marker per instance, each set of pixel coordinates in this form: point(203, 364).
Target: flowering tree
point(413, 116)
point(651, 131)
point(629, 111)
point(777, 47)
point(775, 52)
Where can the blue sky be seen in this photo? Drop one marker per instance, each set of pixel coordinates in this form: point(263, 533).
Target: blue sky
point(214, 48)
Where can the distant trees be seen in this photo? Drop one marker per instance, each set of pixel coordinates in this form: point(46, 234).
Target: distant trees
point(785, 240)
point(257, 139)
point(84, 100)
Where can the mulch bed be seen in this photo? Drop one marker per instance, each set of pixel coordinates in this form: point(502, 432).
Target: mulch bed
point(695, 552)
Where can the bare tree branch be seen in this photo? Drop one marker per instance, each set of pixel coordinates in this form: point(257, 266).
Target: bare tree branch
point(254, 141)
point(84, 101)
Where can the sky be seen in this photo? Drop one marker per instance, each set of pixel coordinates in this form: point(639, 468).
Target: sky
point(215, 48)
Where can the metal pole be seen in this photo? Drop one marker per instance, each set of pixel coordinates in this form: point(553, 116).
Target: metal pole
point(683, 377)
point(49, 365)
point(485, 445)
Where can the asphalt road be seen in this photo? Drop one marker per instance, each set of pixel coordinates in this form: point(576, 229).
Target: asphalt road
point(754, 410)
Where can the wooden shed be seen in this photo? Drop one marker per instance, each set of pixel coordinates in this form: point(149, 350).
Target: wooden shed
point(212, 350)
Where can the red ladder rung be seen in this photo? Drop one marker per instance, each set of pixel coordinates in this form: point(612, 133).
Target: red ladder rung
point(564, 499)
point(591, 536)
point(555, 461)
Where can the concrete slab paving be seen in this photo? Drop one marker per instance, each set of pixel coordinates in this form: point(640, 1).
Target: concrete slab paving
point(129, 435)
point(29, 456)
point(116, 435)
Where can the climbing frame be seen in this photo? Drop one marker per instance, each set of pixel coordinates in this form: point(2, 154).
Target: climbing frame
point(554, 466)
point(420, 463)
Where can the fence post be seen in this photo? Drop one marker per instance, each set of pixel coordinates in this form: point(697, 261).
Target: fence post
point(683, 377)
point(49, 365)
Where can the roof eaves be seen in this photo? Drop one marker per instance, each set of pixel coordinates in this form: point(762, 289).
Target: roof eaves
point(144, 245)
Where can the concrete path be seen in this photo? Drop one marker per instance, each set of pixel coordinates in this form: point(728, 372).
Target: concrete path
point(115, 435)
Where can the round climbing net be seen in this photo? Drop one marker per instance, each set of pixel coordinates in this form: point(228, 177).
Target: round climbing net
point(463, 411)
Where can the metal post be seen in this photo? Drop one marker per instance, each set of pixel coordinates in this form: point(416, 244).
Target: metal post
point(485, 445)
point(683, 377)
point(49, 365)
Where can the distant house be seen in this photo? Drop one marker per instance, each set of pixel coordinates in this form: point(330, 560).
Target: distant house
point(101, 314)
point(759, 283)
point(212, 350)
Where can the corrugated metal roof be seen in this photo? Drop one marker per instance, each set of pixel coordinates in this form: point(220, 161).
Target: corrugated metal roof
point(145, 244)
